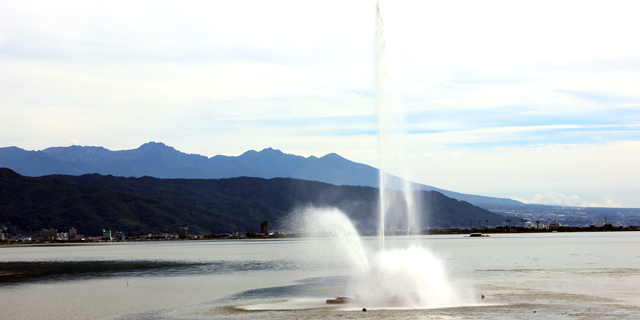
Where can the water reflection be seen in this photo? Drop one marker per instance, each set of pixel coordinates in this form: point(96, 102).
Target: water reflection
point(19, 272)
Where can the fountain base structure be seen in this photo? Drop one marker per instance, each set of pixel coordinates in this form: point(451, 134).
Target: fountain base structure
point(338, 300)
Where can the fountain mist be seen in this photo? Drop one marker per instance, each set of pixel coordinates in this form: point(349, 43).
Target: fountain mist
point(401, 277)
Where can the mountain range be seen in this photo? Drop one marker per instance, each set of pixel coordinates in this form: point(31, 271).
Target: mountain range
point(155, 159)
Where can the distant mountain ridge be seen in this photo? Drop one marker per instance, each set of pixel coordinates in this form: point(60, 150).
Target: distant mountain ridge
point(155, 159)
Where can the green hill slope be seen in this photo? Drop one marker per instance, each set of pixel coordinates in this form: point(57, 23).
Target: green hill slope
point(32, 203)
point(95, 202)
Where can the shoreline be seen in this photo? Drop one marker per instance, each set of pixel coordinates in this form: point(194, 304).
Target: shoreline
point(499, 230)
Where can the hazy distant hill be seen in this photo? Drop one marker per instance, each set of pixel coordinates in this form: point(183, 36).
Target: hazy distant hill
point(93, 202)
point(161, 161)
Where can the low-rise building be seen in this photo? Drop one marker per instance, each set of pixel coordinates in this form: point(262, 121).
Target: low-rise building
point(106, 235)
point(73, 235)
point(553, 224)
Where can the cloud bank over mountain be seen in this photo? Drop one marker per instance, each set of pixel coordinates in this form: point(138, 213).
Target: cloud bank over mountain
point(559, 199)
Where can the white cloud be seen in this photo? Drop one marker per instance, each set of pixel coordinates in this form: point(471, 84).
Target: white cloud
point(559, 199)
point(607, 204)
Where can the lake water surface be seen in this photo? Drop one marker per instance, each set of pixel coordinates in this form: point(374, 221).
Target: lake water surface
point(522, 276)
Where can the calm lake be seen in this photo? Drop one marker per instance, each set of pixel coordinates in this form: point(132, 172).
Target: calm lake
point(521, 276)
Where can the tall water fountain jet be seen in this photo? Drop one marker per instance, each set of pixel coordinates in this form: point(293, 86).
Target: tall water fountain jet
point(410, 276)
point(397, 210)
point(402, 274)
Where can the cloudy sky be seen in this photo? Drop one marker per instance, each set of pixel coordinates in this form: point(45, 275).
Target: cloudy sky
point(537, 101)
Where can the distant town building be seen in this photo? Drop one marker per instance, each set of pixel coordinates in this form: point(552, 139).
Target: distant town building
point(48, 234)
point(183, 232)
point(1, 236)
point(106, 235)
point(600, 224)
point(264, 227)
point(73, 234)
point(553, 224)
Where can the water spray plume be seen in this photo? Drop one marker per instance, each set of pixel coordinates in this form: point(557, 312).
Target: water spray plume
point(408, 277)
point(405, 278)
point(380, 75)
point(332, 223)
